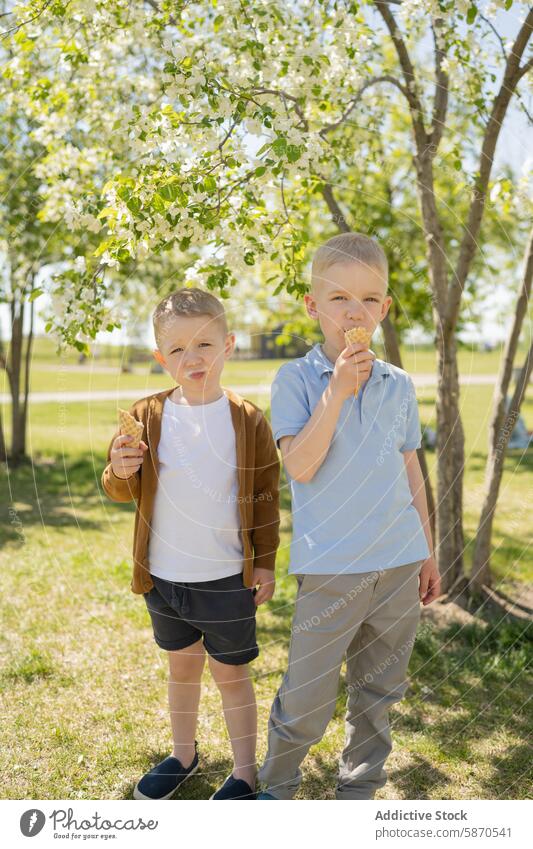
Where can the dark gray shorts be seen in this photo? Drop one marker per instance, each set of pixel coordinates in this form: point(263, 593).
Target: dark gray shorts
point(220, 612)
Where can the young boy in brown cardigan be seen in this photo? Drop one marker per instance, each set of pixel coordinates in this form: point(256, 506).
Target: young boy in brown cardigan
point(205, 479)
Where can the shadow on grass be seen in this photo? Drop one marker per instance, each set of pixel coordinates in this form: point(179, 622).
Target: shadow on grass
point(517, 461)
point(469, 684)
point(51, 492)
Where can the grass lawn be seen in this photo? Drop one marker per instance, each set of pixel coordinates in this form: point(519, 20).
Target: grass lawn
point(52, 374)
point(84, 685)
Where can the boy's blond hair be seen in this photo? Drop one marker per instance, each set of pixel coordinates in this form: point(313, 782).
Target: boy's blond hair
point(345, 248)
point(187, 302)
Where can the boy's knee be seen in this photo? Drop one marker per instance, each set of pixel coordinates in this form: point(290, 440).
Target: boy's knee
point(227, 674)
point(186, 664)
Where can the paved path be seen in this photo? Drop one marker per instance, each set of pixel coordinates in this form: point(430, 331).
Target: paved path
point(242, 389)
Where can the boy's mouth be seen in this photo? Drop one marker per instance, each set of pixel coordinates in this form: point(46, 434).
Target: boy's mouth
point(196, 375)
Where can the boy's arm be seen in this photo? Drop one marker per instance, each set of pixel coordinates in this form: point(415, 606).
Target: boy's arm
point(304, 453)
point(265, 529)
point(122, 489)
point(418, 491)
point(429, 575)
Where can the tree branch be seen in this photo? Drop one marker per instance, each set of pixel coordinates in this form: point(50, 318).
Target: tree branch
point(408, 70)
point(156, 8)
point(337, 214)
point(440, 103)
point(357, 97)
point(512, 75)
point(19, 26)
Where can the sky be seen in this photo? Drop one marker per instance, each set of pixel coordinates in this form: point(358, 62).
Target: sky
point(515, 148)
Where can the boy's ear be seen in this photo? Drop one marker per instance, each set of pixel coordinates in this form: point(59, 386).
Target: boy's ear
point(159, 357)
point(385, 307)
point(310, 305)
point(230, 344)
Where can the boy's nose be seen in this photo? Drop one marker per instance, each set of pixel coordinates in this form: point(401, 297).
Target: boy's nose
point(193, 357)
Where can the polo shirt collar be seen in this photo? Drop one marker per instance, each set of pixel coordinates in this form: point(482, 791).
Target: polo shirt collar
point(322, 364)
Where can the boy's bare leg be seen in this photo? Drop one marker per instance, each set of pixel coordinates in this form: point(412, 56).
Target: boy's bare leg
point(240, 713)
point(185, 674)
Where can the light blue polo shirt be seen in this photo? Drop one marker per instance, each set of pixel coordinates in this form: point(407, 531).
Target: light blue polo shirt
point(356, 513)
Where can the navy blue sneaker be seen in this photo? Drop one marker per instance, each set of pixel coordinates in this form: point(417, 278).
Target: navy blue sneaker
point(164, 779)
point(234, 788)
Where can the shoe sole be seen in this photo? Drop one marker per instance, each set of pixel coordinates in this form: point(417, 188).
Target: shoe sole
point(138, 795)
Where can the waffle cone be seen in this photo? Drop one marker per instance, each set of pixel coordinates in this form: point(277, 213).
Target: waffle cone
point(130, 427)
point(360, 335)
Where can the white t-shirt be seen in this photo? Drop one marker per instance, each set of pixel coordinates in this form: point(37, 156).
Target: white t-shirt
point(195, 528)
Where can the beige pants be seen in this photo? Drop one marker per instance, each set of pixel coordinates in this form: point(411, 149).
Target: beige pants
point(370, 618)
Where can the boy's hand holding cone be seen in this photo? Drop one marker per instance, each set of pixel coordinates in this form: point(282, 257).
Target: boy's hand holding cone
point(358, 335)
point(128, 450)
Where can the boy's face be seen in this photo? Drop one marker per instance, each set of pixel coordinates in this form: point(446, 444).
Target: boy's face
point(193, 350)
point(350, 295)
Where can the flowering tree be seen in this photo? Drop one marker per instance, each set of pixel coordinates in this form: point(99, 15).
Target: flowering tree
point(225, 118)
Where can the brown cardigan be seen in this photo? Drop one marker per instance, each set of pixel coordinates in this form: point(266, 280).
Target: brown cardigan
point(258, 471)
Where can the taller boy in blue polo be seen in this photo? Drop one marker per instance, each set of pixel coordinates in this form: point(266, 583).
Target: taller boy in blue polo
point(361, 547)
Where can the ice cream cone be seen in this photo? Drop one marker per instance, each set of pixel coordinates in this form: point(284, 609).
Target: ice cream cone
point(130, 427)
point(360, 335)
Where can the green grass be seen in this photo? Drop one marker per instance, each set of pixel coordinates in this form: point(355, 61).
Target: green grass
point(84, 685)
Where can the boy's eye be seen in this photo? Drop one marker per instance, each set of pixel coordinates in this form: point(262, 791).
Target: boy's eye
point(176, 350)
point(336, 298)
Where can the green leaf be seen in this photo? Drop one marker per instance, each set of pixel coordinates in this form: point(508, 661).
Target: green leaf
point(293, 153)
point(279, 146)
point(263, 149)
point(210, 184)
point(170, 191)
point(134, 205)
point(35, 294)
point(471, 14)
point(159, 204)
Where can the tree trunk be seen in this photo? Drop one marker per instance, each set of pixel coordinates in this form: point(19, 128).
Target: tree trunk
point(3, 447)
point(501, 427)
point(14, 362)
point(481, 563)
point(450, 434)
point(450, 454)
point(23, 419)
point(3, 451)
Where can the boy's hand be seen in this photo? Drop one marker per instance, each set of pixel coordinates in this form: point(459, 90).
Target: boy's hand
point(264, 578)
point(429, 581)
point(126, 461)
point(353, 367)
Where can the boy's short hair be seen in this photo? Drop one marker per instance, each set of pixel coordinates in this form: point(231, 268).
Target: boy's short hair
point(345, 248)
point(187, 302)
